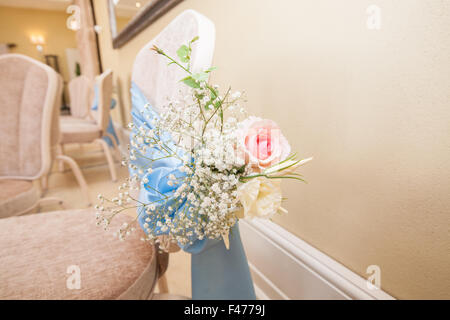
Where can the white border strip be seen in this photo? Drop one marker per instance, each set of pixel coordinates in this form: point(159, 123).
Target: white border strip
point(305, 272)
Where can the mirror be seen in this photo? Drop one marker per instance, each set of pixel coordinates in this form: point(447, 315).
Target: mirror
point(128, 17)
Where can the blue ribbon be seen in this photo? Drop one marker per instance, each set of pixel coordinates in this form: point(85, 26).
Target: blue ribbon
point(110, 128)
point(217, 273)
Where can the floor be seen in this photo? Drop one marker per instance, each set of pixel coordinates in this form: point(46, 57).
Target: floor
point(93, 165)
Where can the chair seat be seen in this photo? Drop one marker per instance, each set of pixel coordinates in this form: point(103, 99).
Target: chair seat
point(16, 197)
point(72, 119)
point(38, 252)
point(79, 131)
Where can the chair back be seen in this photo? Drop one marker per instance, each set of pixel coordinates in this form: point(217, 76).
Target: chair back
point(159, 82)
point(28, 90)
point(104, 86)
point(55, 134)
point(81, 95)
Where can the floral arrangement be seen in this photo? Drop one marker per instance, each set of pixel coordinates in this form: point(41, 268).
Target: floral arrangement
point(225, 165)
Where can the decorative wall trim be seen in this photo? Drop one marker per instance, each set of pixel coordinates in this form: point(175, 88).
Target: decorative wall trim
point(286, 267)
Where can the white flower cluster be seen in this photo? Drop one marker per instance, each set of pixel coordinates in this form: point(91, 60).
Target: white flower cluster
point(200, 133)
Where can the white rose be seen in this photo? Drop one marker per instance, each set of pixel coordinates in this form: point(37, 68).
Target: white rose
point(260, 197)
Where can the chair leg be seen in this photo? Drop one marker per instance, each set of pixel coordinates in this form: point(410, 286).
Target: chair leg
point(60, 151)
point(162, 284)
point(78, 175)
point(109, 158)
point(44, 183)
point(114, 142)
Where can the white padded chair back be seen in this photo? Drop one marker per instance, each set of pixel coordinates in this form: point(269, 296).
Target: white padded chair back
point(28, 90)
point(155, 79)
point(105, 88)
point(81, 94)
point(55, 135)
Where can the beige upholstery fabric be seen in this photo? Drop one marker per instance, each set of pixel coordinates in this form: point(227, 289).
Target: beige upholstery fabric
point(28, 92)
point(78, 132)
point(16, 197)
point(38, 250)
point(81, 94)
point(71, 119)
point(104, 85)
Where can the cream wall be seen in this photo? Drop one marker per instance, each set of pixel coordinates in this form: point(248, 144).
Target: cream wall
point(17, 25)
point(372, 107)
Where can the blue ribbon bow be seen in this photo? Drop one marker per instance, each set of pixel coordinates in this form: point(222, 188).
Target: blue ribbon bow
point(217, 273)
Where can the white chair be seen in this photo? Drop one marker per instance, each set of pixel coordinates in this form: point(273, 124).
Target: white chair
point(81, 94)
point(28, 94)
point(157, 81)
point(78, 130)
point(37, 251)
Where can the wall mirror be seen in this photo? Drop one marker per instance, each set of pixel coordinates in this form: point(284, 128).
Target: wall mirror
point(129, 17)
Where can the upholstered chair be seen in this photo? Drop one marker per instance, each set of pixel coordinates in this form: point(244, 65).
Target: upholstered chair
point(65, 255)
point(60, 254)
point(28, 95)
point(56, 150)
point(85, 130)
point(81, 94)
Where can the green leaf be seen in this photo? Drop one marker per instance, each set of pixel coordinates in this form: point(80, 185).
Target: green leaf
point(201, 76)
point(210, 69)
point(194, 39)
point(191, 82)
point(213, 93)
point(183, 53)
point(199, 96)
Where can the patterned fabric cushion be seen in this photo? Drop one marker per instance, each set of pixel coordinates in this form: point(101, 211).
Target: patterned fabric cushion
point(71, 119)
point(79, 131)
point(43, 255)
point(16, 197)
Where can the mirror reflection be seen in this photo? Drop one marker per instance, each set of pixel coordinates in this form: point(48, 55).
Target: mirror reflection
point(125, 10)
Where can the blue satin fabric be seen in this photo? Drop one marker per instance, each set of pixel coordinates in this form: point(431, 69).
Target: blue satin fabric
point(110, 128)
point(217, 273)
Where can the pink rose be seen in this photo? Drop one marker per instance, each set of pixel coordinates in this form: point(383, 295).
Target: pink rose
point(261, 143)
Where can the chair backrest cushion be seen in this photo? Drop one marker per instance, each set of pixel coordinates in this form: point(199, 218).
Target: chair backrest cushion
point(55, 134)
point(155, 79)
point(81, 93)
point(104, 87)
point(28, 90)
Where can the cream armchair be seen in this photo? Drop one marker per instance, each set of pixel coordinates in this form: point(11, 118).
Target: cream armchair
point(81, 94)
point(28, 94)
point(56, 150)
point(84, 130)
point(60, 254)
point(28, 88)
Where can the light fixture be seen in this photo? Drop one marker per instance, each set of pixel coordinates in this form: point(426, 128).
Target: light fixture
point(138, 4)
point(38, 40)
